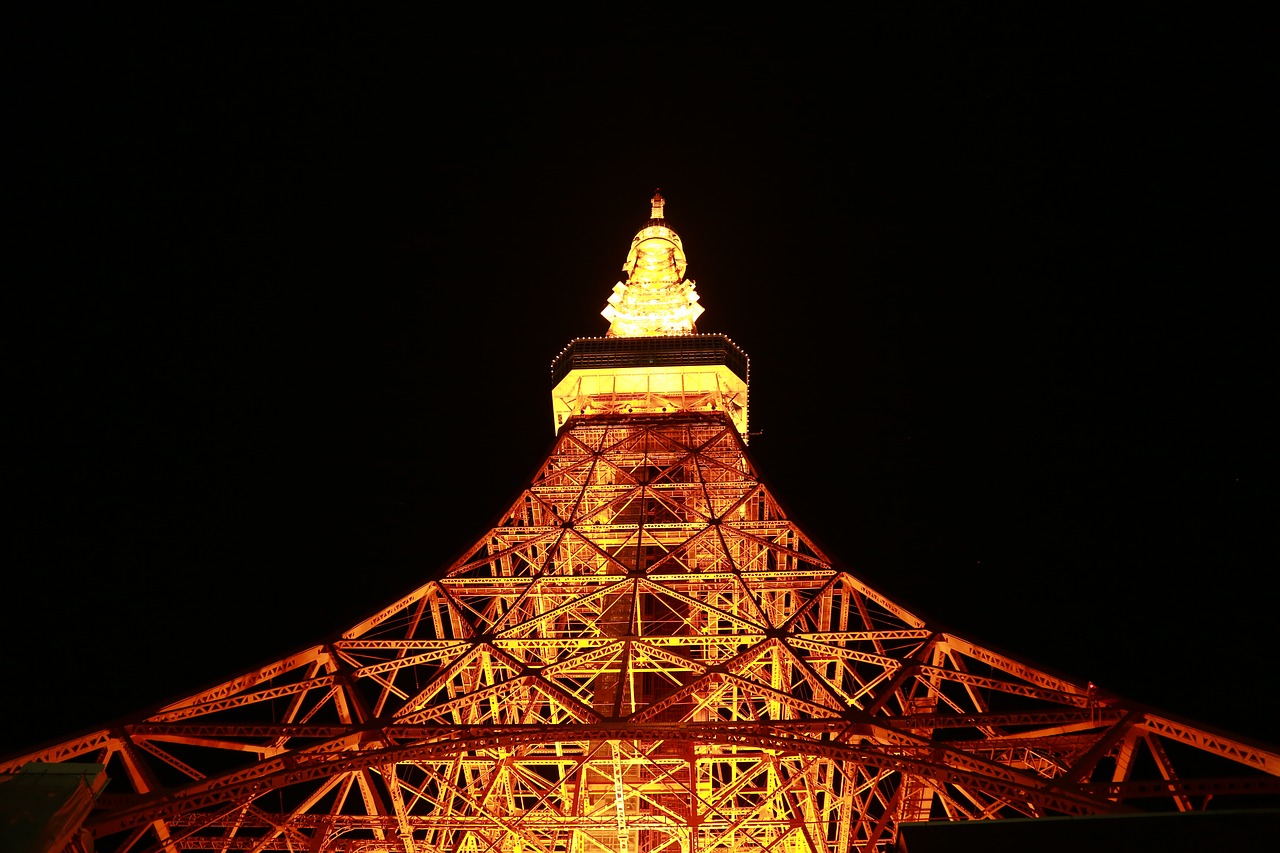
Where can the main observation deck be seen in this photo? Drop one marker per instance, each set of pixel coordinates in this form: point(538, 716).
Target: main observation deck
point(651, 375)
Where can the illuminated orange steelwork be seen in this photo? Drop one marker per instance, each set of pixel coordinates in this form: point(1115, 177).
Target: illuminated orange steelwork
point(646, 654)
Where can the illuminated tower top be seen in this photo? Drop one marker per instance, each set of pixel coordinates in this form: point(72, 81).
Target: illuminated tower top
point(652, 361)
point(655, 298)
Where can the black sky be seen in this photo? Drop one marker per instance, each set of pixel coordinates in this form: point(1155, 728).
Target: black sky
point(283, 293)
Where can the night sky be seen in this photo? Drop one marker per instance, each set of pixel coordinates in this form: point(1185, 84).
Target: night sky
point(282, 295)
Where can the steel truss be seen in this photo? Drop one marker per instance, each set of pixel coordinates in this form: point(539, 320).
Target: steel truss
point(647, 654)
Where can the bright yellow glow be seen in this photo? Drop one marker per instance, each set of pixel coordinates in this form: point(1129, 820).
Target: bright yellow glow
point(655, 298)
point(651, 390)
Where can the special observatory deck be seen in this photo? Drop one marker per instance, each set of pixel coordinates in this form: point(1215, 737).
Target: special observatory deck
point(672, 350)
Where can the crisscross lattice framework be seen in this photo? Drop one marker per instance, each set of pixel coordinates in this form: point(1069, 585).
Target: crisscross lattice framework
point(646, 654)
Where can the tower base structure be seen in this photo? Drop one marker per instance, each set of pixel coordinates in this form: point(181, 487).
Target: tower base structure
point(646, 654)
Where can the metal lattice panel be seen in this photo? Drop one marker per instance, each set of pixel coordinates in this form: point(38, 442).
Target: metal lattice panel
point(646, 654)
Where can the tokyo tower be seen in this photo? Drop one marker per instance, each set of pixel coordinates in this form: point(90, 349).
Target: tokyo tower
point(647, 654)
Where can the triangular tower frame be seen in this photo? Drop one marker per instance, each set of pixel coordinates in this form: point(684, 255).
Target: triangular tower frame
point(646, 654)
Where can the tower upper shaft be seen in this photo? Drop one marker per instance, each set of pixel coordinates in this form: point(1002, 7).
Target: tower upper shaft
point(652, 361)
point(655, 297)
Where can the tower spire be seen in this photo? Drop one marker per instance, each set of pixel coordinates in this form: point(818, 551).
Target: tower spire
point(653, 360)
point(654, 297)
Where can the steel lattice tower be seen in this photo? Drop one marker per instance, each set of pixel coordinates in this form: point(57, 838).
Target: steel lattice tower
point(647, 655)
